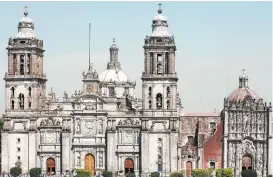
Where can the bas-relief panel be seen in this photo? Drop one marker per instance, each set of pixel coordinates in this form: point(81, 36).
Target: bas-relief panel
point(246, 124)
point(49, 137)
point(89, 128)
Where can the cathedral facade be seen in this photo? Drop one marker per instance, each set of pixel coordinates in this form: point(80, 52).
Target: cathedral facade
point(103, 126)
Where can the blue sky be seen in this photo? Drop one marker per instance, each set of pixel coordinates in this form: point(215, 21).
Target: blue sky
point(215, 41)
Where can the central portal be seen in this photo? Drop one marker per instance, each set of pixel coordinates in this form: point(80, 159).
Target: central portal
point(128, 166)
point(50, 166)
point(89, 164)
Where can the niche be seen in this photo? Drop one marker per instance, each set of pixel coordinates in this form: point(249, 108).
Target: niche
point(21, 101)
point(150, 91)
point(159, 101)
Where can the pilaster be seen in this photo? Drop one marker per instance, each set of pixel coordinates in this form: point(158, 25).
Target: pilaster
point(65, 150)
point(5, 152)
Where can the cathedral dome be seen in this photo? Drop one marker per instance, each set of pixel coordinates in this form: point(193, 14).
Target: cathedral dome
point(243, 91)
point(241, 94)
point(113, 75)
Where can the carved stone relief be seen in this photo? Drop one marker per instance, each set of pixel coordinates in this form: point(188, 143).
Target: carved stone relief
point(128, 137)
point(50, 137)
point(90, 128)
point(90, 106)
point(231, 155)
point(247, 147)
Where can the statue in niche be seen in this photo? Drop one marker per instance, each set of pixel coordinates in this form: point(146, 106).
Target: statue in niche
point(159, 69)
point(168, 91)
point(78, 127)
point(168, 104)
point(78, 161)
point(100, 127)
point(159, 100)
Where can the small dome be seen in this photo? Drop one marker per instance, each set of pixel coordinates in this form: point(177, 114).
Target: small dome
point(241, 94)
point(26, 20)
point(113, 75)
point(160, 17)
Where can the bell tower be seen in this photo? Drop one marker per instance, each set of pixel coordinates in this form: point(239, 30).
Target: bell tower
point(25, 93)
point(25, 80)
point(159, 77)
point(160, 121)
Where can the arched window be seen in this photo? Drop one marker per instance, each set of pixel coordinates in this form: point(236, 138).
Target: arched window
point(12, 104)
point(22, 64)
point(150, 104)
point(159, 69)
point(12, 91)
point(159, 101)
point(150, 91)
point(29, 91)
point(21, 101)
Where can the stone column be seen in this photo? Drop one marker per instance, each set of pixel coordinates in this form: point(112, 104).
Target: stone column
point(163, 64)
point(172, 62)
point(18, 65)
point(173, 97)
point(155, 64)
point(10, 64)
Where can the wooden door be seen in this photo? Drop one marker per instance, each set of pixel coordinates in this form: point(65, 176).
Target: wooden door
point(128, 166)
point(188, 168)
point(89, 163)
point(247, 163)
point(50, 166)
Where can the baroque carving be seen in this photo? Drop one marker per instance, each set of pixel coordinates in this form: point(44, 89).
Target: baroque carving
point(90, 106)
point(129, 122)
point(247, 147)
point(50, 122)
point(231, 155)
point(90, 128)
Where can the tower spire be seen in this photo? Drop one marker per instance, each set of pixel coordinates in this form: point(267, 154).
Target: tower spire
point(26, 12)
point(89, 47)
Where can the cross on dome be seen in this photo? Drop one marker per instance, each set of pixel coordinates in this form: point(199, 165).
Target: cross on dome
point(159, 8)
point(26, 12)
point(243, 80)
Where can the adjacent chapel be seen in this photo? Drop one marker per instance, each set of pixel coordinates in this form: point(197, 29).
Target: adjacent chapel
point(103, 126)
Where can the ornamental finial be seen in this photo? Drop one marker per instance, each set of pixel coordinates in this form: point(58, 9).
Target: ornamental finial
point(26, 12)
point(159, 8)
point(243, 72)
point(114, 40)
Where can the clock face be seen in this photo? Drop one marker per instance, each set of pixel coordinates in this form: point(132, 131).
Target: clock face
point(89, 88)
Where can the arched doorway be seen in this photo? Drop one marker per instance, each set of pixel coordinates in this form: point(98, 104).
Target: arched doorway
point(188, 168)
point(247, 162)
point(50, 166)
point(89, 163)
point(128, 166)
